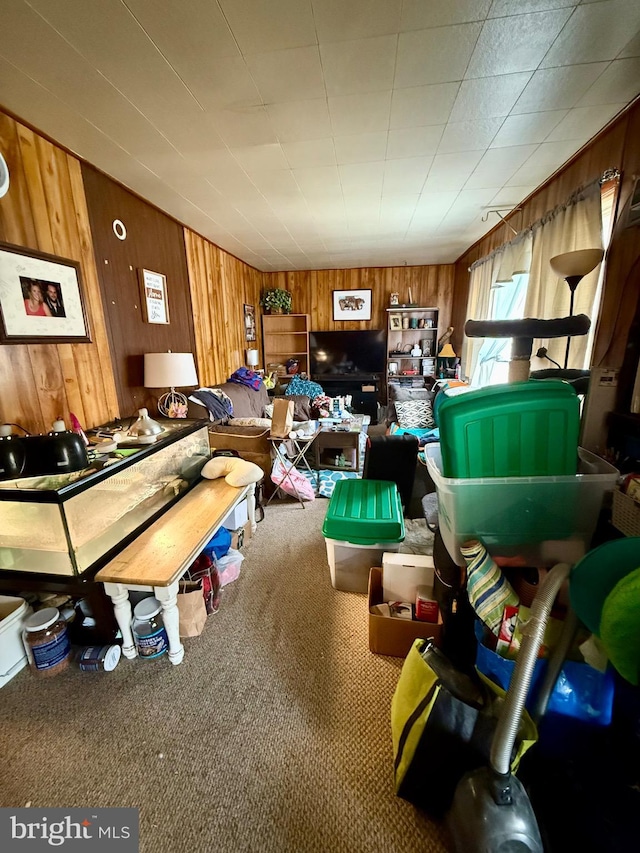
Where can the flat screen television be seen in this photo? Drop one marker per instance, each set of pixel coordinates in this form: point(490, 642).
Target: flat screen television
point(347, 354)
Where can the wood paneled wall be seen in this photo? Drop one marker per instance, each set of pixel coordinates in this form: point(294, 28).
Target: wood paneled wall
point(45, 209)
point(155, 242)
point(312, 291)
point(220, 287)
point(616, 147)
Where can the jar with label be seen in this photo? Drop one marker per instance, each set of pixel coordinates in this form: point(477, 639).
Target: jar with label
point(148, 629)
point(47, 642)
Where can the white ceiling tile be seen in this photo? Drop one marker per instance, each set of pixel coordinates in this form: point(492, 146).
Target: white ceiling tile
point(505, 8)
point(632, 48)
point(511, 197)
point(582, 123)
point(247, 127)
point(517, 43)
point(256, 158)
point(423, 105)
point(362, 176)
point(438, 55)
point(277, 185)
point(406, 176)
point(366, 65)
point(418, 15)
point(191, 31)
point(259, 26)
point(469, 135)
point(319, 181)
point(468, 206)
point(310, 152)
point(434, 204)
point(450, 171)
point(558, 88)
point(597, 30)
point(297, 121)
point(340, 21)
point(413, 142)
point(488, 96)
point(360, 113)
point(545, 160)
point(619, 83)
point(527, 128)
point(497, 166)
point(288, 75)
point(361, 147)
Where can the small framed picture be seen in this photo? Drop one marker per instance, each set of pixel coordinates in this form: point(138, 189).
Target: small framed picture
point(351, 304)
point(153, 286)
point(250, 322)
point(395, 322)
point(633, 214)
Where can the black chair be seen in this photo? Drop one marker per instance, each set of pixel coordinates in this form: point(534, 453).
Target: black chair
point(393, 458)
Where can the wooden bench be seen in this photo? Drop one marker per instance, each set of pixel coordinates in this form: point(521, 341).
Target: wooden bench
point(159, 557)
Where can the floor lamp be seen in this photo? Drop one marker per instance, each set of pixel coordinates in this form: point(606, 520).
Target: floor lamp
point(572, 267)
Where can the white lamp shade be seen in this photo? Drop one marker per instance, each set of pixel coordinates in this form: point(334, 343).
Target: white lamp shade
point(578, 263)
point(252, 357)
point(169, 369)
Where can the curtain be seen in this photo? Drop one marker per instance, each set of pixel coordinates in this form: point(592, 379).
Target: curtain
point(505, 274)
point(574, 225)
point(482, 278)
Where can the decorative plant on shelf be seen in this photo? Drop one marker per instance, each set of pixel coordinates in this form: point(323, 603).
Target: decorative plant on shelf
point(276, 301)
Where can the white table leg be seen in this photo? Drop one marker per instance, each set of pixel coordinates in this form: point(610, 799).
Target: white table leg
point(119, 595)
point(167, 596)
point(251, 506)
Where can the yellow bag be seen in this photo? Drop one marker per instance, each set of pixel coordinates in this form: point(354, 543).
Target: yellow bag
point(437, 737)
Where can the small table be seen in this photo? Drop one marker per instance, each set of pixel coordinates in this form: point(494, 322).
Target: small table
point(291, 453)
point(341, 440)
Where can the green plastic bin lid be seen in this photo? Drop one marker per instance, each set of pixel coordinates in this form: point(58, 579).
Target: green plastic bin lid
point(522, 429)
point(364, 512)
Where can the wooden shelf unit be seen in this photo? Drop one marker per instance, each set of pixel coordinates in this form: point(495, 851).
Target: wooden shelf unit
point(401, 340)
point(285, 336)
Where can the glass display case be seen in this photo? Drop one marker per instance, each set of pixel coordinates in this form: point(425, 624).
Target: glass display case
point(65, 524)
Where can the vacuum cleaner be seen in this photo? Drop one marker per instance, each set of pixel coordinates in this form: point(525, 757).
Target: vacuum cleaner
point(491, 811)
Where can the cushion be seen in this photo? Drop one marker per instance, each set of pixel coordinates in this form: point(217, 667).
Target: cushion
point(400, 394)
point(415, 414)
point(265, 423)
point(236, 472)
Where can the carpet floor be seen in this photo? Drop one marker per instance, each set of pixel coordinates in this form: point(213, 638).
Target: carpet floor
point(272, 736)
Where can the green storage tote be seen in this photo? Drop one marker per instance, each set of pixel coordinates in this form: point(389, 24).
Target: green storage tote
point(364, 519)
point(523, 429)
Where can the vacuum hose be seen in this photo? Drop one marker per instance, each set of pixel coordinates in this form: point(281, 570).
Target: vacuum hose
point(533, 634)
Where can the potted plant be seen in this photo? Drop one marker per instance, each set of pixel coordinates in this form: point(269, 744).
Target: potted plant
point(276, 301)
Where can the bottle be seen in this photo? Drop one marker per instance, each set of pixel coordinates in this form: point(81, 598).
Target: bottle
point(148, 629)
point(47, 642)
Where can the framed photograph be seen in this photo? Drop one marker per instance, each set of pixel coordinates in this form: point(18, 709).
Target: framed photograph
point(153, 286)
point(351, 304)
point(395, 322)
point(40, 298)
point(250, 322)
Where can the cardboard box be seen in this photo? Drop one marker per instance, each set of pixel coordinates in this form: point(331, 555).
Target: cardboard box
point(241, 536)
point(391, 636)
point(402, 574)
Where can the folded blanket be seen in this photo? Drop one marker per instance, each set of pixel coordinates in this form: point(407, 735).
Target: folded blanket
point(244, 376)
point(217, 403)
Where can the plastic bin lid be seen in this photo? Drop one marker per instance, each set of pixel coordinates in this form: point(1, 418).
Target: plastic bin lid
point(522, 429)
point(364, 512)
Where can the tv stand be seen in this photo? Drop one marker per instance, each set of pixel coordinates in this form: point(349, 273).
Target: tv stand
point(364, 391)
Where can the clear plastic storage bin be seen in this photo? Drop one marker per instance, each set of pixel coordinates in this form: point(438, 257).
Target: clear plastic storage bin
point(544, 519)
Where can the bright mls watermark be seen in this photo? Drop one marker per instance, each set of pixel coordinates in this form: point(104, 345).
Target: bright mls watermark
point(81, 830)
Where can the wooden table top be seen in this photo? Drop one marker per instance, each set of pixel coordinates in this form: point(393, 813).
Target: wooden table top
point(163, 552)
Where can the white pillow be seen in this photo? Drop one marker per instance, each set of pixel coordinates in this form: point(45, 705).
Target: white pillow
point(236, 472)
point(265, 423)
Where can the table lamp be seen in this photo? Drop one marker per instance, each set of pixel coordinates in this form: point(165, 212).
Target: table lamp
point(252, 358)
point(166, 370)
point(572, 267)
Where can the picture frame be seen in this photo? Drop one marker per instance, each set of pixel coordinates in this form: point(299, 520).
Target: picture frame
point(249, 322)
point(153, 292)
point(41, 298)
point(395, 322)
point(352, 304)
